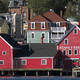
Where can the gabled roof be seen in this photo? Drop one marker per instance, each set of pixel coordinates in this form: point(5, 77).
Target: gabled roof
point(68, 32)
point(39, 18)
point(10, 40)
point(52, 16)
point(43, 50)
point(39, 50)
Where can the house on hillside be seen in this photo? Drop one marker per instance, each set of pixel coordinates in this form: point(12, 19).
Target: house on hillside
point(57, 25)
point(8, 49)
point(38, 30)
point(41, 57)
point(19, 7)
point(68, 55)
point(4, 27)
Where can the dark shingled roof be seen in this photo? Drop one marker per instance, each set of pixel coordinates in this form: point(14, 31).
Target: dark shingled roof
point(43, 50)
point(10, 40)
point(38, 50)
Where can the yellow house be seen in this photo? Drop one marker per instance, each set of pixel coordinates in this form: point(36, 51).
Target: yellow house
point(4, 28)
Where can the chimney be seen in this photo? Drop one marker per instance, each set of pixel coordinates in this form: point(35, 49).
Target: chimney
point(61, 13)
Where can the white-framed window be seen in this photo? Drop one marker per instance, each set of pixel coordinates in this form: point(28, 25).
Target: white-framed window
point(3, 52)
point(24, 14)
point(75, 51)
point(42, 25)
point(69, 51)
point(23, 62)
point(57, 24)
point(75, 31)
point(43, 35)
point(32, 35)
point(65, 41)
point(1, 62)
point(43, 62)
point(32, 25)
point(64, 52)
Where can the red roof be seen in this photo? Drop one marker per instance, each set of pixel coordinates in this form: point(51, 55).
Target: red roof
point(52, 16)
point(39, 18)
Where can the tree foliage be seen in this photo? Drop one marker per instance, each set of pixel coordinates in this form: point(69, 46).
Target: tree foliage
point(3, 6)
point(41, 6)
point(73, 9)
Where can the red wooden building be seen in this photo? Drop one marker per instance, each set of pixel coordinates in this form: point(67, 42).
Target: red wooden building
point(8, 47)
point(68, 55)
point(41, 57)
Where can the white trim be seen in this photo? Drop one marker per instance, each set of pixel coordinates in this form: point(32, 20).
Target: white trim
point(5, 53)
point(45, 61)
point(48, 36)
point(58, 24)
point(33, 57)
point(31, 25)
point(41, 25)
point(71, 52)
point(44, 35)
point(25, 62)
point(67, 41)
point(74, 51)
point(31, 35)
point(6, 41)
point(71, 58)
point(76, 30)
point(2, 61)
point(27, 37)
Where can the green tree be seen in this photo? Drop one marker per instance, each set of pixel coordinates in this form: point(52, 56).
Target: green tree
point(73, 9)
point(41, 6)
point(3, 6)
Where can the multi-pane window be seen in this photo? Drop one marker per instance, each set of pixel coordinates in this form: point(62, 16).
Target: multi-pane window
point(23, 62)
point(32, 25)
point(32, 35)
point(75, 31)
point(64, 52)
point(24, 14)
point(43, 35)
point(75, 51)
point(57, 24)
point(3, 52)
point(66, 41)
point(43, 61)
point(1, 62)
point(42, 25)
point(70, 52)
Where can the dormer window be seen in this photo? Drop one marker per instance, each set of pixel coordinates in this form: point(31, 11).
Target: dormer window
point(66, 41)
point(42, 25)
point(75, 31)
point(32, 25)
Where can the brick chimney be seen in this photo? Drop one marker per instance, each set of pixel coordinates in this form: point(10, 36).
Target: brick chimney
point(61, 13)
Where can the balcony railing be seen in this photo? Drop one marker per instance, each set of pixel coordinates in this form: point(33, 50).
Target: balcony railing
point(57, 36)
point(58, 29)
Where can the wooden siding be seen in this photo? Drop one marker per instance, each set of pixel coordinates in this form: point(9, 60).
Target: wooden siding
point(34, 63)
